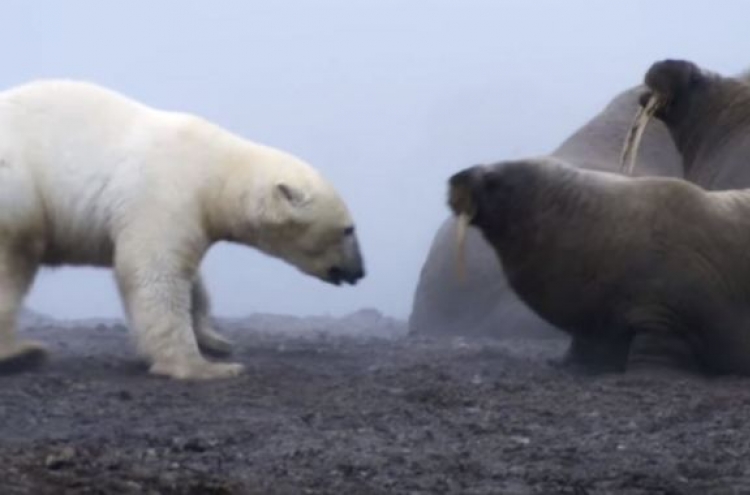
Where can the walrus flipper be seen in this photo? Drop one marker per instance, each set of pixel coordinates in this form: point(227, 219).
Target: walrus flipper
point(663, 351)
point(597, 354)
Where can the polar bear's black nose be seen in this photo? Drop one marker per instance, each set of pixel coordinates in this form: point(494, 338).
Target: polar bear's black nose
point(336, 275)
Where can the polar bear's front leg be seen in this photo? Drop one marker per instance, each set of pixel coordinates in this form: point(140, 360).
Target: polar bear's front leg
point(17, 270)
point(157, 296)
point(209, 340)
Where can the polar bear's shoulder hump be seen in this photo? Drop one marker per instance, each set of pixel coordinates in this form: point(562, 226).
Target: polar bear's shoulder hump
point(50, 93)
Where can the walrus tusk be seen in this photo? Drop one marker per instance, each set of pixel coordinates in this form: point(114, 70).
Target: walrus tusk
point(633, 138)
point(461, 226)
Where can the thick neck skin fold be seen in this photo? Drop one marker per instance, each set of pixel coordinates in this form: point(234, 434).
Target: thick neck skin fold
point(539, 231)
point(532, 198)
point(545, 210)
point(564, 231)
point(710, 125)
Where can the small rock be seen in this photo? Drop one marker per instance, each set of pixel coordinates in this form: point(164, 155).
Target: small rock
point(168, 479)
point(195, 445)
point(124, 395)
point(60, 460)
point(520, 439)
point(132, 487)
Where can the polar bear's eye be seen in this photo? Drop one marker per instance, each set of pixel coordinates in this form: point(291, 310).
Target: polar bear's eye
point(349, 230)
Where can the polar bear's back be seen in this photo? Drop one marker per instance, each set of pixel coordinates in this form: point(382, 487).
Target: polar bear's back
point(57, 114)
point(59, 94)
point(65, 147)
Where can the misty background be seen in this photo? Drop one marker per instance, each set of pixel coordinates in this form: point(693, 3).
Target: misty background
point(386, 97)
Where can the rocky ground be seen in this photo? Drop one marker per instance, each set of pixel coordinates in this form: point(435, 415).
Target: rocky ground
point(353, 407)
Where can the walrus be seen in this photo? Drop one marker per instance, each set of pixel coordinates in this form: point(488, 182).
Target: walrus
point(482, 303)
point(707, 116)
point(607, 258)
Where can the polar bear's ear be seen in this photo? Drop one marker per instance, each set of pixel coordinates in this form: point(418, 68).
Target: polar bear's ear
point(293, 196)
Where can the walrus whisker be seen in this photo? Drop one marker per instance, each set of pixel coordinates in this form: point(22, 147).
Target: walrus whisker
point(635, 134)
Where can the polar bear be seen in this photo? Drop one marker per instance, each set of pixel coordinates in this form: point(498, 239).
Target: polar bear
point(89, 176)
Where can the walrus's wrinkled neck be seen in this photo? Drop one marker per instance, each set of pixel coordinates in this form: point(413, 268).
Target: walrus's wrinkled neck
point(558, 235)
point(542, 216)
point(717, 115)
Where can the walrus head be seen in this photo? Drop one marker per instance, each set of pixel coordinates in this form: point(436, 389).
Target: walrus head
point(462, 202)
point(671, 82)
point(485, 196)
point(670, 85)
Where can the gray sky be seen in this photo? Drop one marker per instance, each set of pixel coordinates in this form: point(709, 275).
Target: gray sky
point(385, 97)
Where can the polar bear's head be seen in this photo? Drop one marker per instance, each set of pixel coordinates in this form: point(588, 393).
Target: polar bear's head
point(305, 222)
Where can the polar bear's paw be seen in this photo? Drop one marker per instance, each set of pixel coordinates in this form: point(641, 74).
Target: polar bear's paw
point(213, 343)
point(196, 370)
point(22, 356)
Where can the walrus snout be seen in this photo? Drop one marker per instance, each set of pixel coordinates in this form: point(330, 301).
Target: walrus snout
point(655, 103)
point(461, 191)
point(644, 98)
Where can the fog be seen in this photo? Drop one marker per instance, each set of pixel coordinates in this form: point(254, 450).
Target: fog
point(385, 97)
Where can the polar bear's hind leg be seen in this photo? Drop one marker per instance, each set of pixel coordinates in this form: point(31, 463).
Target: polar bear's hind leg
point(209, 340)
point(18, 265)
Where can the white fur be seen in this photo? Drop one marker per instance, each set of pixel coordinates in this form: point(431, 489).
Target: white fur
point(90, 177)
